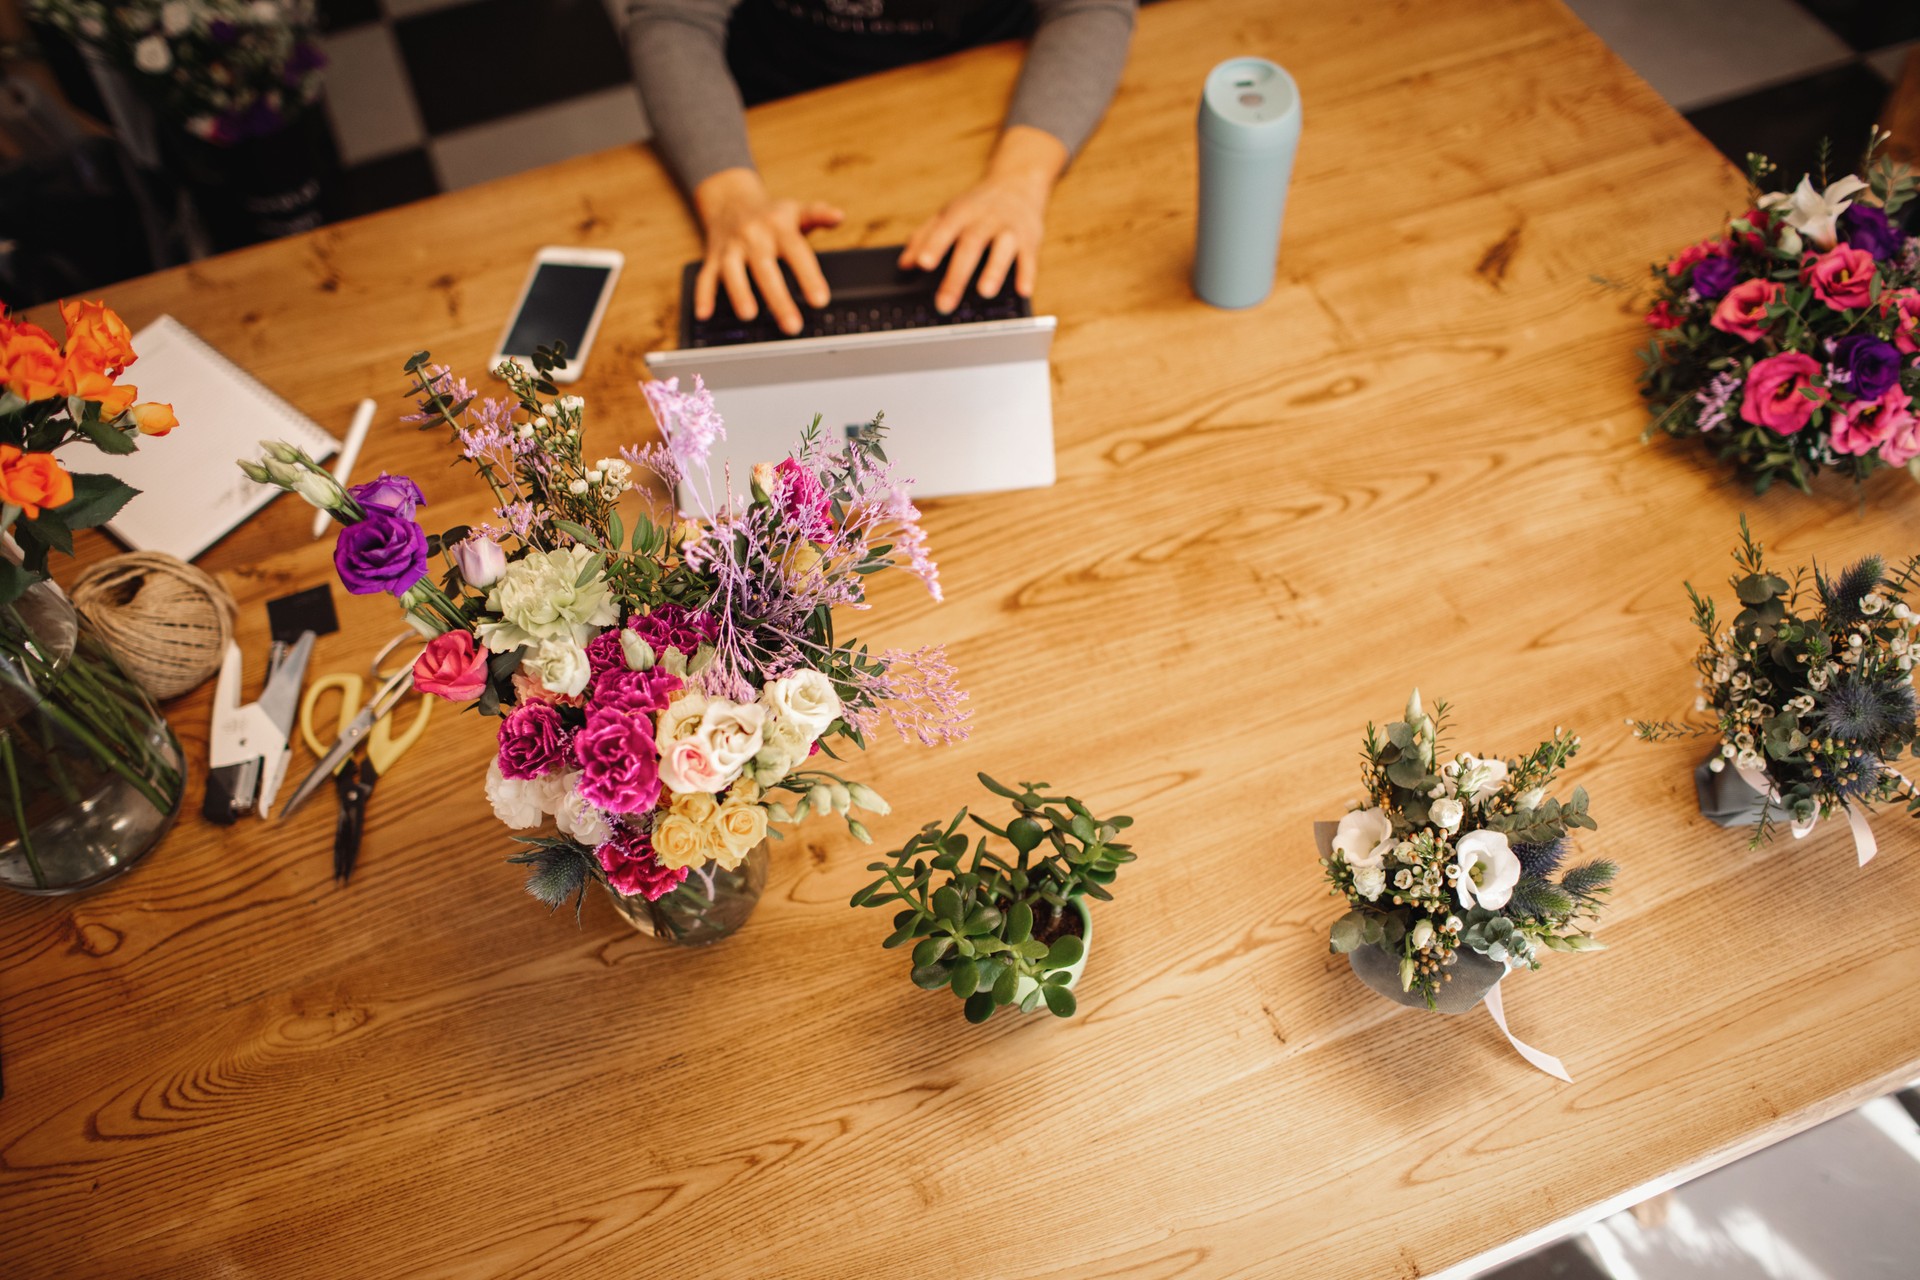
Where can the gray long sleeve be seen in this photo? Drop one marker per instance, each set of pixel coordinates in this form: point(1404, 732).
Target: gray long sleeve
point(678, 50)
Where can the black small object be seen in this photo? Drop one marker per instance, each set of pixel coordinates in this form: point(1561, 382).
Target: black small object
point(309, 610)
point(354, 783)
point(223, 805)
point(871, 292)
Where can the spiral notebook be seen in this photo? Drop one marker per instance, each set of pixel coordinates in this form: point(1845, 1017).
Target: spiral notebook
point(191, 493)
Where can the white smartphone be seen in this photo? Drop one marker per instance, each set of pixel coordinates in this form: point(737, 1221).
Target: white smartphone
point(563, 300)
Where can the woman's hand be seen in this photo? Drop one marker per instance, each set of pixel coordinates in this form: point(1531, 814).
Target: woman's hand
point(1002, 217)
point(748, 233)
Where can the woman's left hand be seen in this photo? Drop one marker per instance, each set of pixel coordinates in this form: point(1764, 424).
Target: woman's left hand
point(1001, 217)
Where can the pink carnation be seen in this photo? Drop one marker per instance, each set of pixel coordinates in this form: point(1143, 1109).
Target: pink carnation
point(632, 870)
point(635, 693)
point(802, 500)
point(1841, 277)
point(669, 626)
point(533, 742)
point(1773, 398)
point(1866, 425)
point(619, 764)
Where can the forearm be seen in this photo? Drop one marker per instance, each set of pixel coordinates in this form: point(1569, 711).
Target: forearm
point(678, 50)
point(1078, 52)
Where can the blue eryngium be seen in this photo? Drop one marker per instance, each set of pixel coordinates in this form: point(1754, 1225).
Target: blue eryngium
point(1542, 859)
point(1842, 595)
point(1866, 710)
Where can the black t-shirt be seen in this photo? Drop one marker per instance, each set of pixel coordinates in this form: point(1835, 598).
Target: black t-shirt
point(781, 47)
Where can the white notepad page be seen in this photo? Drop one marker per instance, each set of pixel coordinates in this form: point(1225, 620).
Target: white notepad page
point(191, 493)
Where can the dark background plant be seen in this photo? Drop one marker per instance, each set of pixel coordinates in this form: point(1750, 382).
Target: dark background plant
point(978, 928)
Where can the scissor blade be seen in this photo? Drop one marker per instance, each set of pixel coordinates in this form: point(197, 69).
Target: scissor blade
point(342, 747)
point(281, 698)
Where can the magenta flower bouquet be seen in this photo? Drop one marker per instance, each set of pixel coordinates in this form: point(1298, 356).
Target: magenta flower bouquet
point(1788, 343)
point(670, 683)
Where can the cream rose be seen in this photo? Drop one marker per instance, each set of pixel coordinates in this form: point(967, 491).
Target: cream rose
point(687, 766)
point(1363, 838)
point(1485, 869)
point(677, 842)
point(1370, 882)
point(1446, 814)
point(741, 825)
point(805, 699)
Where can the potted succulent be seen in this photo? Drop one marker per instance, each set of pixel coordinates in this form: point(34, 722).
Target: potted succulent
point(1002, 927)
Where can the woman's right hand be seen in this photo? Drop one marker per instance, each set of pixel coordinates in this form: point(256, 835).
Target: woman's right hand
point(748, 233)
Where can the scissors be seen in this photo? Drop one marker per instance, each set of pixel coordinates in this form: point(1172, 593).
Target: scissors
point(369, 725)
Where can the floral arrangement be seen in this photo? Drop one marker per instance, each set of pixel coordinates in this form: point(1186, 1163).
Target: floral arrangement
point(53, 392)
point(669, 683)
point(1810, 688)
point(1787, 344)
point(225, 70)
point(1009, 929)
point(1462, 854)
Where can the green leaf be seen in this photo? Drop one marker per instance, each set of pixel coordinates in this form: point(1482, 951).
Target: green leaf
point(1019, 922)
point(965, 978)
point(930, 951)
point(108, 439)
point(997, 788)
point(1024, 834)
point(1060, 1001)
point(96, 500)
point(980, 1007)
point(929, 977)
point(13, 581)
point(1006, 985)
point(1065, 952)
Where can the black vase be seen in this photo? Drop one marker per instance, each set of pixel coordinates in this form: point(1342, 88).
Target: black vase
point(257, 189)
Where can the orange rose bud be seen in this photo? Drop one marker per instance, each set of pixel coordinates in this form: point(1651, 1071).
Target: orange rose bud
point(98, 337)
point(154, 418)
point(31, 481)
point(31, 366)
point(91, 384)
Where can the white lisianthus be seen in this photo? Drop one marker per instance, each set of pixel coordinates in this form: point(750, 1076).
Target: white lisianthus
point(540, 597)
point(1422, 934)
point(1446, 814)
point(1362, 841)
point(152, 55)
point(731, 733)
point(687, 766)
point(522, 802)
point(1370, 882)
point(1480, 780)
point(681, 719)
point(806, 698)
point(1485, 868)
point(782, 747)
point(577, 819)
point(480, 560)
point(175, 17)
point(1531, 799)
point(1815, 214)
point(561, 667)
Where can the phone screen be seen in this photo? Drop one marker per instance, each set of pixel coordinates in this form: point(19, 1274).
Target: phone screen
point(558, 308)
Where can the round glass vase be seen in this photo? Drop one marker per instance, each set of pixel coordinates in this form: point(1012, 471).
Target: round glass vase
point(91, 776)
point(711, 904)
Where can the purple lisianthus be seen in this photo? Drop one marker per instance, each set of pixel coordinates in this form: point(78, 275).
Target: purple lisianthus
point(1866, 226)
point(619, 763)
point(1872, 366)
point(380, 553)
point(1714, 276)
point(223, 31)
point(533, 742)
point(635, 693)
point(395, 495)
point(673, 626)
point(305, 57)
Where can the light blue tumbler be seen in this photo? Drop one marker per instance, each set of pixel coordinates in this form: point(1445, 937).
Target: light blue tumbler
point(1249, 127)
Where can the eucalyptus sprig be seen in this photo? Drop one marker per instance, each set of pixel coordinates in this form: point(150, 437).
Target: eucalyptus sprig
point(979, 929)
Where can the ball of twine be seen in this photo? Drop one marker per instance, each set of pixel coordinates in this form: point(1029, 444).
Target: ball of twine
point(167, 622)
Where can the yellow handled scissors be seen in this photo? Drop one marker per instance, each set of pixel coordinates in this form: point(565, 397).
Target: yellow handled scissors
point(356, 773)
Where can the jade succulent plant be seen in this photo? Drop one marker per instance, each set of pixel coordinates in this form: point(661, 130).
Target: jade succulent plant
point(979, 924)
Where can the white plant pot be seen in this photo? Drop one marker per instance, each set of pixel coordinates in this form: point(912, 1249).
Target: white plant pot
point(1027, 986)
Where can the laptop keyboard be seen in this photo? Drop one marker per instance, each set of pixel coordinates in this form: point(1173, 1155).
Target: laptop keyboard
point(870, 295)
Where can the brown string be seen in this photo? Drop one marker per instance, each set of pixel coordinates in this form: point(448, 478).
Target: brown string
point(167, 622)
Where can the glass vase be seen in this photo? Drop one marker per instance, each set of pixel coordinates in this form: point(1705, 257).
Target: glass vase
point(91, 776)
point(709, 905)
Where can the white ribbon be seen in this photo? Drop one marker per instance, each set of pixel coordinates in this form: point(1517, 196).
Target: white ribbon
point(1544, 1061)
point(1864, 844)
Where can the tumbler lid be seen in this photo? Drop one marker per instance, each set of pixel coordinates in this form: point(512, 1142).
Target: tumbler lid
point(1250, 104)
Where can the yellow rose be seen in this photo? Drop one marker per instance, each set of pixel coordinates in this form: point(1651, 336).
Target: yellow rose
point(741, 827)
point(696, 807)
point(801, 566)
point(745, 791)
point(677, 842)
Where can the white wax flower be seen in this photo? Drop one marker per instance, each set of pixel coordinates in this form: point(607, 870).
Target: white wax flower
point(1815, 214)
point(804, 698)
point(540, 597)
point(1446, 814)
point(1486, 869)
point(1362, 840)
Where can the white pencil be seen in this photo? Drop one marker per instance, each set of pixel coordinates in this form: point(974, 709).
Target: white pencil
point(349, 454)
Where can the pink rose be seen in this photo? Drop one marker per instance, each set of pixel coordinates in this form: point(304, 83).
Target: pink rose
point(1902, 444)
point(1743, 312)
point(688, 765)
point(1773, 398)
point(527, 688)
point(452, 666)
point(1904, 304)
point(1840, 277)
point(1694, 254)
point(1865, 425)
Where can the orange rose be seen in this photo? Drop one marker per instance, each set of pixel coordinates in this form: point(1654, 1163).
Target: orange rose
point(31, 481)
point(154, 418)
point(97, 337)
point(31, 366)
point(91, 384)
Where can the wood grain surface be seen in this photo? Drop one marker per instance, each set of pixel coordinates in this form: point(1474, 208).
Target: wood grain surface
point(1418, 462)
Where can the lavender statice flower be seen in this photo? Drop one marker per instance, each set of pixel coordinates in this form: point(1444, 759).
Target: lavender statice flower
point(522, 517)
point(918, 694)
point(1716, 399)
point(688, 421)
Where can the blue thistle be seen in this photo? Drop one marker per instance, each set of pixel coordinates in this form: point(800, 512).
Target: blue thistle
point(1542, 858)
point(1858, 710)
point(1842, 595)
point(1858, 776)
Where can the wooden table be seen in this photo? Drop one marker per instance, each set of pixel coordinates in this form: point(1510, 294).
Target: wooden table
point(1419, 461)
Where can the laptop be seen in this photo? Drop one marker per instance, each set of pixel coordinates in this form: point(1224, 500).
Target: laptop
point(966, 397)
